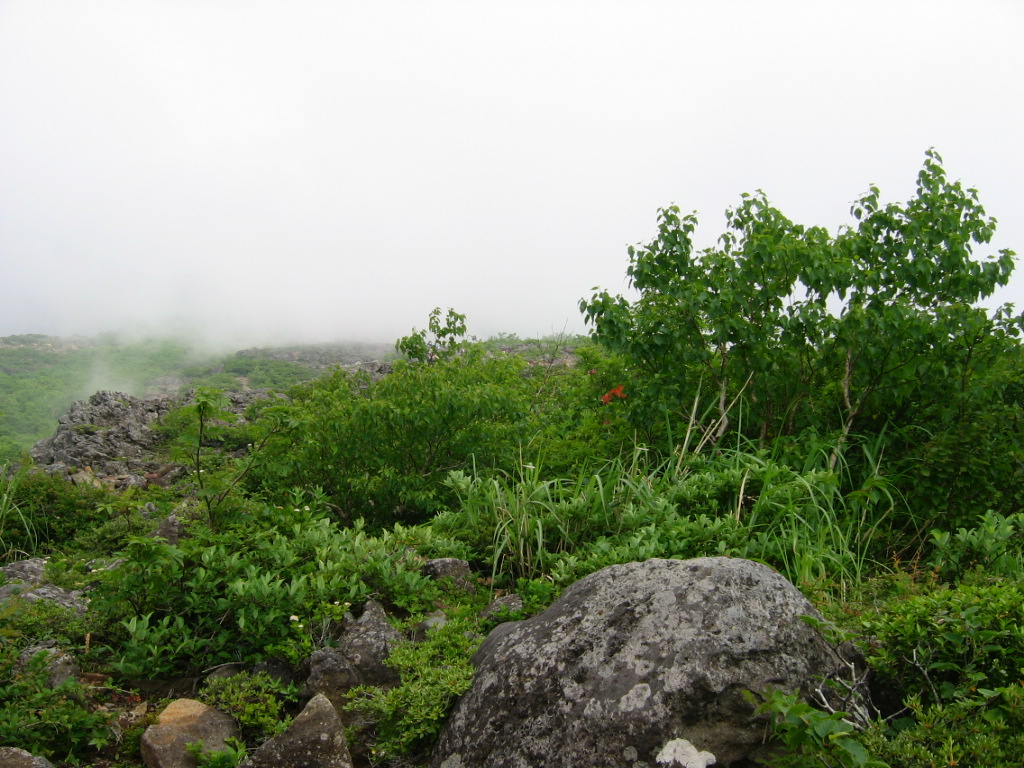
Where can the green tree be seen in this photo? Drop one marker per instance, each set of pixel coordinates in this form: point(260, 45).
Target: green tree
point(443, 342)
point(794, 329)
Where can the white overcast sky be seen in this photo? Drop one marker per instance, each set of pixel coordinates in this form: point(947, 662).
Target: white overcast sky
point(270, 171)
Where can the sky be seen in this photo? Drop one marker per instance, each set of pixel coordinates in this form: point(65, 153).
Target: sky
point(248, 171)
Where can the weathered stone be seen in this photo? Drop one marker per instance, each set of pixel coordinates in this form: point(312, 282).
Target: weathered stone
point(12, 757)
point(61, 666)
point(431, 623)
point(169, 530)
point(502, 605)
point(634, 660)
point(107, 435)
point(357, 660)
point(26, 581)
point(450, 568)
point(71, 599)
point(184, 722)
point(315, 739)
point(28, 572)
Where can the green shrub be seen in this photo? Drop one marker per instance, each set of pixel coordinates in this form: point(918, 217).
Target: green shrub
point(231, 596)
point(52, 722)
point(48, 512)
point(256, 701)
point(812, 738)
point(408, 718)
point(984, 730)
point(994, 546)
point(381, 449)
point(946, 644)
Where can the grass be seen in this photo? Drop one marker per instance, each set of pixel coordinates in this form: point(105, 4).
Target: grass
point(11, 515)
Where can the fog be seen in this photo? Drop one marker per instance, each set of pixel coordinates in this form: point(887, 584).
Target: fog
point(262, 172)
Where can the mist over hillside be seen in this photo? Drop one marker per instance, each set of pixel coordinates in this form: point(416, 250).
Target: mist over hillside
point(43, 374)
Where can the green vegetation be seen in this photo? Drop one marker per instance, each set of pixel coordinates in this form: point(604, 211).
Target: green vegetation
point(835, 405)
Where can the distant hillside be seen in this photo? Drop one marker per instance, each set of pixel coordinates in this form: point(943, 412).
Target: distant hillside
point(42, 375)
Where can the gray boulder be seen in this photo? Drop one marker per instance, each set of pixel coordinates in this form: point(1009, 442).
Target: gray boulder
point(315, 739)
point(450, 568)
point(359, 658)
point(28, 571)
point(12, 757)
point(184, 722)
point(637, 664)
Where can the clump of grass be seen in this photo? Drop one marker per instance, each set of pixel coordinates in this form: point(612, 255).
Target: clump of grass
point(11, 515)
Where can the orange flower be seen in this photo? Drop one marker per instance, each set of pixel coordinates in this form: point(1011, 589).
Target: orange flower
point(612, 393)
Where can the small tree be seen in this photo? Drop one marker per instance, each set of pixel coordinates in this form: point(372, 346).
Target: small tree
point(794, 328)
point(445, 340)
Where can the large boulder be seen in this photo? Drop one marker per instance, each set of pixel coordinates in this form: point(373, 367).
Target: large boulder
point(638, 665)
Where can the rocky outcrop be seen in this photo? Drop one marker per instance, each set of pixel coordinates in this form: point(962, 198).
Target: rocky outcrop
point(110, 439)
point(184, 722)
point(108, 435)
point(315, 739)
point(26, 580)
point(638, 662)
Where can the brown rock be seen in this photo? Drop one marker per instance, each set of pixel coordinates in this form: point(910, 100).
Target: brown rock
point(184, 722)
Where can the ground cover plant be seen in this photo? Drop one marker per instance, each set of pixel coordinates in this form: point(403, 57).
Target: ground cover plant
point(838, 406)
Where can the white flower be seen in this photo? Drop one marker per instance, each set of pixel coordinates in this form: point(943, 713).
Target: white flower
point(293, 618)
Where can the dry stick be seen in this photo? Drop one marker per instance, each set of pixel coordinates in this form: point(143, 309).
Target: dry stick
point(721, 429)
point(851, 412)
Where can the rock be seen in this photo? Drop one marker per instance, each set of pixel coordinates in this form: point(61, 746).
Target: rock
point(184, 722)
point(107, 435)
point(315, 739)
point(11, 757)
point(28, 572)
point(61, 666)
point(27, 577)
point(169, 530)
point(500, 606)
point(358, 659)
point(71, 599)
point(431, 623)
point(631, 662)
point(450, 568)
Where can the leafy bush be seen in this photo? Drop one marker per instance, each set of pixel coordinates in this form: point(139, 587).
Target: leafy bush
point(813, 738)
point(52, 722)
point(434, 673)
point(949, 643)
point(46, 511)
point(380, 449)
point(983, 730)
point(230, 596)
point(256, 701)
point(994, 546)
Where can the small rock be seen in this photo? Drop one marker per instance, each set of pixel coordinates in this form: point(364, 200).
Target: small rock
point(502, 605)
point(315, 739)
point(60, 665)
point(184, 722)
point(450, 568)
